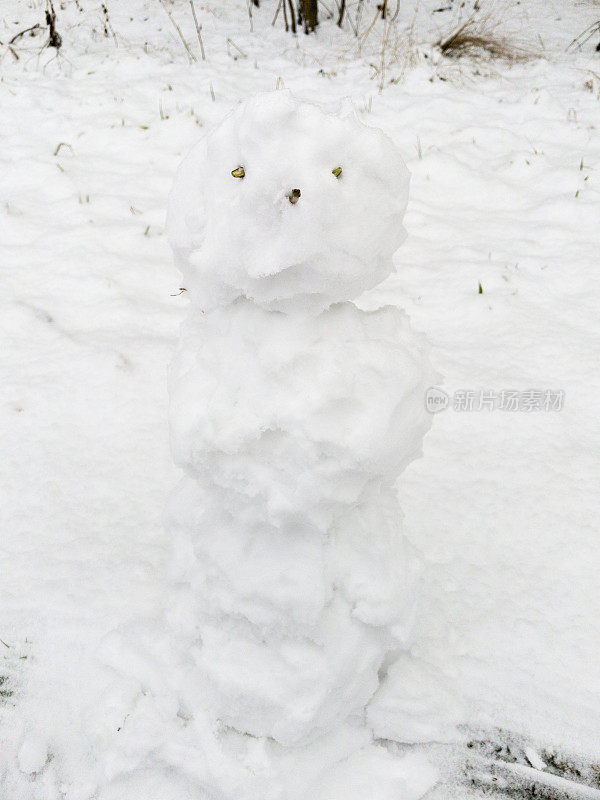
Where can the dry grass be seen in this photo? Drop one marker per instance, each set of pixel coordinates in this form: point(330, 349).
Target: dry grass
point(585, 36)
point(399, 46)
point(480, 37)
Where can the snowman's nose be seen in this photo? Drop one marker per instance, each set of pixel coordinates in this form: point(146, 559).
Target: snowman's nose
point(294, 196)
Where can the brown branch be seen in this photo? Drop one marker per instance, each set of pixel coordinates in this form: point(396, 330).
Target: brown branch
point(293, 15)
point(22, 33)
point(54, 38)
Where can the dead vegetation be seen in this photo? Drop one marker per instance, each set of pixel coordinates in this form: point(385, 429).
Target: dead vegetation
point(472, 41)
point(585, 36)
point(481, 37)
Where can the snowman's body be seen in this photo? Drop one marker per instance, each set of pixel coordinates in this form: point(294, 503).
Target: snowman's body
point(292, 414)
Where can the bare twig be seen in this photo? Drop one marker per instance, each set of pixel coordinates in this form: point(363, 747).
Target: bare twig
point(352, 25)
point(54, 38)
point(239, 49)
point(285, 17)
point(198, 29)
point(18, 35)
point(359, 9)
point(342, 10)
point(62, 144)
point(191, 55)
point(293, 16)
point(276, 13)
point(250, 16)
point(108, 26)
point(327, 9)
point(384, 45)
point(365, 35)
point(585, 35)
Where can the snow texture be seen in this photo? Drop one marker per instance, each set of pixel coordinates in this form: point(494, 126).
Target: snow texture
point(503, 506)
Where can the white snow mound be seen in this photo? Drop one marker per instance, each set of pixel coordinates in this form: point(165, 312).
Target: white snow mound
point(237, 237)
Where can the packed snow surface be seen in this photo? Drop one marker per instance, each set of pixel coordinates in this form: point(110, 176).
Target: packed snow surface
point(502, 507)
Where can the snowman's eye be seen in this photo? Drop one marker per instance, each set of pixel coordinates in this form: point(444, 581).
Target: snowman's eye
point(238, 172)
point(337, 172)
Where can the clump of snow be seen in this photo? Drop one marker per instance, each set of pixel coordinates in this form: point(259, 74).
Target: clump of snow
point(242, 237)
point(415, 703)
point(297, 417)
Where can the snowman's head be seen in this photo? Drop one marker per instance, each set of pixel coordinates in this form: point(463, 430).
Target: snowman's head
point(289, 206)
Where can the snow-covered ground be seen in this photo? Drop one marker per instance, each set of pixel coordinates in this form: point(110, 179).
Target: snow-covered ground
point(500, 271)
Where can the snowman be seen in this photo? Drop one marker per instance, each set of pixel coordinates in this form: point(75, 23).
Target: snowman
point(293, 412)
